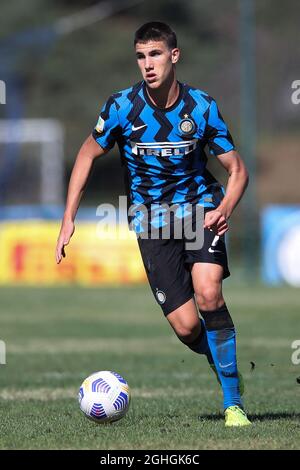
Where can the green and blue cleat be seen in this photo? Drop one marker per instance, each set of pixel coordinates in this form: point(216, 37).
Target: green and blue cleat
point(236, 416)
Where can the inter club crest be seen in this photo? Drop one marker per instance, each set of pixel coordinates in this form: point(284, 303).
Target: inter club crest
point(187, 125)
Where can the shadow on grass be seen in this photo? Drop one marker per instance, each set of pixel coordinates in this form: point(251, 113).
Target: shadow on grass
point(254, 417)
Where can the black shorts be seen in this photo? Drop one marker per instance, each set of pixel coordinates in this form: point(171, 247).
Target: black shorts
point(168, 264)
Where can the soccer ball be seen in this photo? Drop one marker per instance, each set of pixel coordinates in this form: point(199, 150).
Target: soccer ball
point(104, 397)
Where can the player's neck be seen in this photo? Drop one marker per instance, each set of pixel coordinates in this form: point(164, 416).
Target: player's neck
point(166, 95)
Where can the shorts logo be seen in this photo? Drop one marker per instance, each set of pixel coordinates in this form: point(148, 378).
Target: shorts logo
point(187, 126)
point(214, 243)
point(161, 296)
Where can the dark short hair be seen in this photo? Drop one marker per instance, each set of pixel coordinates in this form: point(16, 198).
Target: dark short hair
point(156, 31)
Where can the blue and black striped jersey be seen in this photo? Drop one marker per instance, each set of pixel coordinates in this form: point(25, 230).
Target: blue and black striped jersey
point(163, 150)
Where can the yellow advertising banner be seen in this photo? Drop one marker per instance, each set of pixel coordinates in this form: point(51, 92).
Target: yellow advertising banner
point(96, 255)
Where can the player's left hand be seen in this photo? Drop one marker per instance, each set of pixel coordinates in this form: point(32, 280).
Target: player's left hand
point(214, 220)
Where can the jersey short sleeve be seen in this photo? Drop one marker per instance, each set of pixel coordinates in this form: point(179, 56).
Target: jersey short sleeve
point(218, 137)
point(107, 128)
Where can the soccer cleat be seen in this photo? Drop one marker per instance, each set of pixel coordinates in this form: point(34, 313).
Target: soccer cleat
point(241, 380)
point(236, 416)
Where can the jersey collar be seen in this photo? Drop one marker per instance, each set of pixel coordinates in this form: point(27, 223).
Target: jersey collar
point(170, 108)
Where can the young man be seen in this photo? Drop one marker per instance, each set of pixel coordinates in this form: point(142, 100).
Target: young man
point(162, 127)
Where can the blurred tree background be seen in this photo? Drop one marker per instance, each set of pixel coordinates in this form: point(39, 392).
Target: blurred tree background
point(71, 78)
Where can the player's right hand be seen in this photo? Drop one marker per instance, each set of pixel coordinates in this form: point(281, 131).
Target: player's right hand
point(66, 232)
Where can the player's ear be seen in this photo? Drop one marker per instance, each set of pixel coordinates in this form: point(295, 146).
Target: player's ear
point(175, 55)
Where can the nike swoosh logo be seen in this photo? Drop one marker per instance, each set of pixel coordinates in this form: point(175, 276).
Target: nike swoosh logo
point(210, 250)
point(225, 365)
point(138, 127)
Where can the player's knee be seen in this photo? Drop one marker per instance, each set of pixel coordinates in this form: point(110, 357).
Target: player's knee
point(210, 297)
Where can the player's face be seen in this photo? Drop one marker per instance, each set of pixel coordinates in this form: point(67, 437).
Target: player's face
point(156, 62)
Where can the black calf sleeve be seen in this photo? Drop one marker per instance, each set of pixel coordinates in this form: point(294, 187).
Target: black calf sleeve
point(218, 319)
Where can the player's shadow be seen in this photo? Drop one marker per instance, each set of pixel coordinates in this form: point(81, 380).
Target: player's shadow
point(254, 417)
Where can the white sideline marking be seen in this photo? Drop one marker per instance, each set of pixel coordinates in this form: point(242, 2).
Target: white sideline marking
point(120, 346)
point(59, 393)
point(78, 345)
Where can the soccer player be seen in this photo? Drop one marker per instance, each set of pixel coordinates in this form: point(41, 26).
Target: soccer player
point(162, 127)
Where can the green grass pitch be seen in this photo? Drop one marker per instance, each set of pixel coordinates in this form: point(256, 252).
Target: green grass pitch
point(56, 337)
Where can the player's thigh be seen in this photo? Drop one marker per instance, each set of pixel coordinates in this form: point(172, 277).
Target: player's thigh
point(213, 251)
point(168, 275)
point(207, 282)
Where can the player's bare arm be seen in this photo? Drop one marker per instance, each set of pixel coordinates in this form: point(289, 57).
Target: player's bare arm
point(89, 151)
point(236, 185)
